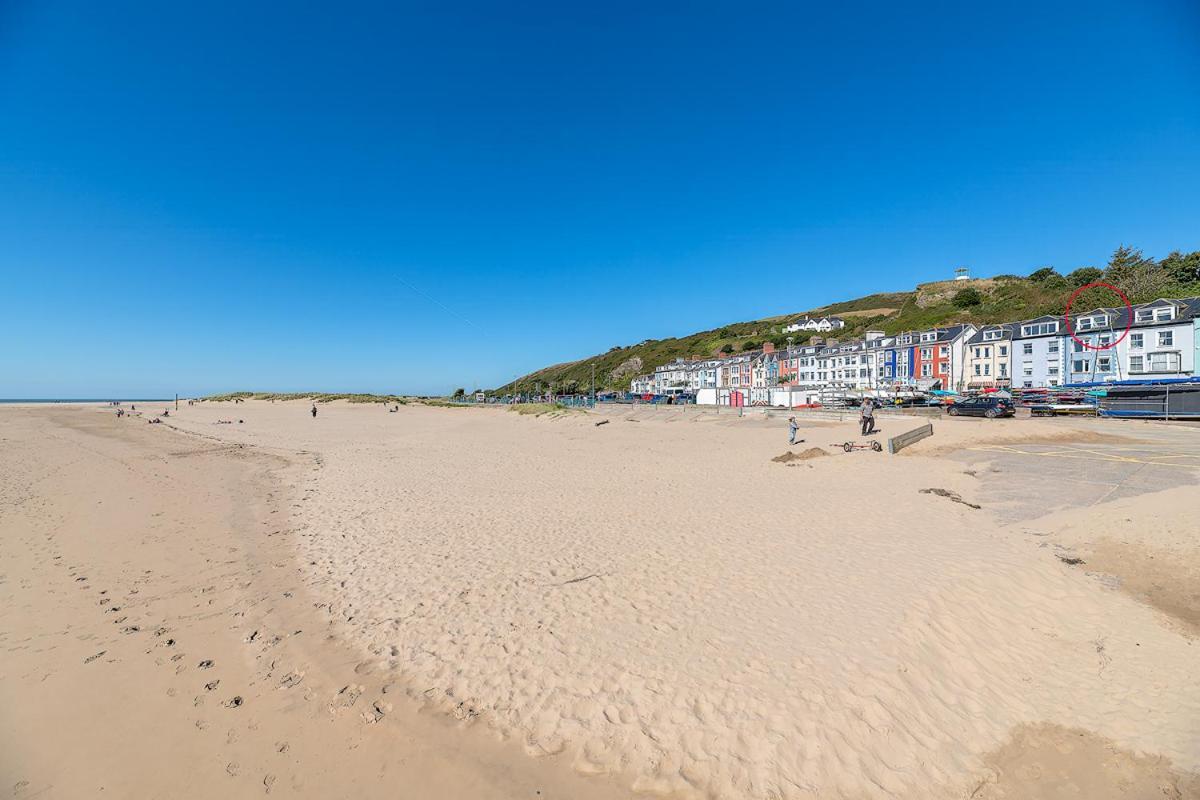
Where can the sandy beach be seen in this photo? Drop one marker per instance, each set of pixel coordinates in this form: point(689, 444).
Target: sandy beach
point(445, 602)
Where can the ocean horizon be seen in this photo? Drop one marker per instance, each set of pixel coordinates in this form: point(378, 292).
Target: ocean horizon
point(87, 400)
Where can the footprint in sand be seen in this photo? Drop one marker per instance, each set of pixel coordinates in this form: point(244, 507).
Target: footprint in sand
point(205, 664)
point(291, 679)
point(268, 782)
point(348, 696)
point(233, 702)
point(212, 684)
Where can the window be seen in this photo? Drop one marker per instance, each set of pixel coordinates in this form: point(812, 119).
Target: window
point(987, 369)
point(1053, 382)
point(1079, 365)
point(1077, 346)
point(906, 339)
point(1039, 329)
point(978, 352)
point(1003, 370)
point(1052, 370)
point(1104, 363)
point(925, 370)
point(1003, 350)
point(1164, 362)
point(1166, 338)
point(1136, 340)
point(1027, 348)
point(1028, 384)
point(977, 369)
point(1088, 323)
point(1136, 364)
point(1027, 369)
point(944, 351)
point(990, 336)
point(931, 336)
point(1155, 314)
point(926, 352)
point(1105, 339)
point(1052, 347)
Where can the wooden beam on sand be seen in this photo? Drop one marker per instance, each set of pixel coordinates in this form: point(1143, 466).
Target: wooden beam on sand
point(898, 443)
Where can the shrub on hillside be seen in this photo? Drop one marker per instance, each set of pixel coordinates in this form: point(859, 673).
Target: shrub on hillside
point(749, 345)
point(1043, 274)
point(965, 298)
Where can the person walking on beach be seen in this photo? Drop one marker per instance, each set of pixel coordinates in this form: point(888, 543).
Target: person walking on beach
point(792, 428)
point(868, 417)
point(314, 410)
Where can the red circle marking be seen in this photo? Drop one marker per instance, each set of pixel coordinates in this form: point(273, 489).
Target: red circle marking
point(1128, 322)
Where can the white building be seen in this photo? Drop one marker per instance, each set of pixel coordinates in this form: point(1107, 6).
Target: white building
point(821, 324)
point(1160, 342)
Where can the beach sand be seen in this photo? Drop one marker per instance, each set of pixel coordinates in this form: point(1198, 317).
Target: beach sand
point(653, 605)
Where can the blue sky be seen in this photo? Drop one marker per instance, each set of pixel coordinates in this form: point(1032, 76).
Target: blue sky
point(409, 197)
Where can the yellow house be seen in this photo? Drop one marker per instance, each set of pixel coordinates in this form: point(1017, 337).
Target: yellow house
point(989, 357)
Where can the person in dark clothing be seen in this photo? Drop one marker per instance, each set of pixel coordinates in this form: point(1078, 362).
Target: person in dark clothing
point(868, 417)
point(314, 410)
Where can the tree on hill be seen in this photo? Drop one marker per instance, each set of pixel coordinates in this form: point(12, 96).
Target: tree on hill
point(749, 345)
point(460, 393)
point(728, 348)
point(1085, 275)
point(965, 298)
point(1139, 277)
point(1041, 275)
point(1182, 269)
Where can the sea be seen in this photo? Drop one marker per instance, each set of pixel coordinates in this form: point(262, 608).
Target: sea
point(86, 400)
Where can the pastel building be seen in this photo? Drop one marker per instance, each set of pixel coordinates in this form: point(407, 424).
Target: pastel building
point(989, 357)
point(1161, 342)
point(932, 358)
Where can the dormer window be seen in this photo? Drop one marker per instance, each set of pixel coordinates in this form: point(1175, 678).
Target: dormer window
point(1092, 322)
point(929, 336)
point(1163, 314)
point(1039, 329)
point(991, 336)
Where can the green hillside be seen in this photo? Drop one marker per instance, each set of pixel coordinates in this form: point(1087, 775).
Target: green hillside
point(1003, 298)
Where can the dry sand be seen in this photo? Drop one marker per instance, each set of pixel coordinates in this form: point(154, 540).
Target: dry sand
point(653, 601)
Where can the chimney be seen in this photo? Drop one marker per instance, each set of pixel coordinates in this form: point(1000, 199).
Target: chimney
point(768, 347)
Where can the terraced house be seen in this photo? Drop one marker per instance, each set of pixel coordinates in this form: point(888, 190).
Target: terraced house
point(989, 357)
point(1161, 342)
point(934, 358)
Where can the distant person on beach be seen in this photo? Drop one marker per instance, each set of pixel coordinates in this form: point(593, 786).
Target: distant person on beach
point(314, 410)
point(868, 417)
point(792, 428)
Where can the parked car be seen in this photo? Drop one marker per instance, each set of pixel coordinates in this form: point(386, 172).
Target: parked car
point(990, 407)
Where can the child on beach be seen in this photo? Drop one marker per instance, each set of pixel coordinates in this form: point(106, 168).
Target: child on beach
point(792, 428)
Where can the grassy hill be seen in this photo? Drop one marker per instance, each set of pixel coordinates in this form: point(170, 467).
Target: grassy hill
point(1003, 298)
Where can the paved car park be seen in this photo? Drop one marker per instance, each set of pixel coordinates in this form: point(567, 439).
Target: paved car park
point(1027, 480)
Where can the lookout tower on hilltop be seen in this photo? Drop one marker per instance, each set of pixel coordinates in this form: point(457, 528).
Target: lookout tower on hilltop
point(962, 274)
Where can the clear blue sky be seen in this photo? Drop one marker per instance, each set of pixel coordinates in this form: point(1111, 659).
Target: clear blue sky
point(414, 197)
